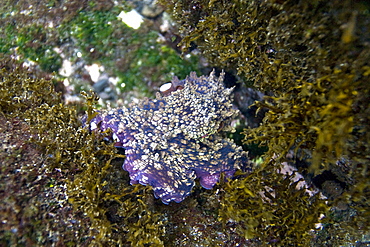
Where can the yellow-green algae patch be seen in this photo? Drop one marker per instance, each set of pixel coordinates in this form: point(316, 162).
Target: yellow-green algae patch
point(269, 205)
point(78, 164)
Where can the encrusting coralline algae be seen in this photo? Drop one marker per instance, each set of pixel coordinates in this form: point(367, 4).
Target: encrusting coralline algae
point(174, 139)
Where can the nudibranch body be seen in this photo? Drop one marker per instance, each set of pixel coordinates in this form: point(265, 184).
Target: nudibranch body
point(174, 139)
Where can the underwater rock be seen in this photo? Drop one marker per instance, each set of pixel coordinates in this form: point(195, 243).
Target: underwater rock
point(174, 139)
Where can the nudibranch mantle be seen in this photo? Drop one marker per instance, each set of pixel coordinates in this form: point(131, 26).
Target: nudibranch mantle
point(174, 139)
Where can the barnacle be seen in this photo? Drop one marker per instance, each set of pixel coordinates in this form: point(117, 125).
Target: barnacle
point(173, 139)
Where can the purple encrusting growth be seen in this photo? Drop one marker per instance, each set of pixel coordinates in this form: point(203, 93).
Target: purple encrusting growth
point(174, 139)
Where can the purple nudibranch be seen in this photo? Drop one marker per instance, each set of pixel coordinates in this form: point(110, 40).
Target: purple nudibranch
point(177, 137)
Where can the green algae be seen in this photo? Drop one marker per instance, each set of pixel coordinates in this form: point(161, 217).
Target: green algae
point(75, 31)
